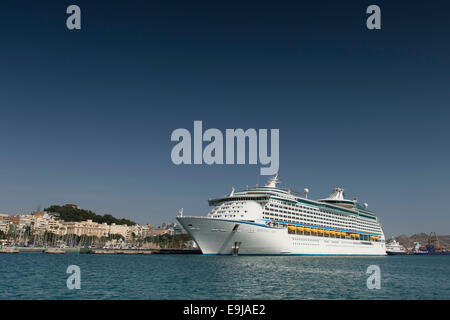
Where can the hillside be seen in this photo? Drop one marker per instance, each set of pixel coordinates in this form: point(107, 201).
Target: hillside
point(73, 214)
point(422, 238)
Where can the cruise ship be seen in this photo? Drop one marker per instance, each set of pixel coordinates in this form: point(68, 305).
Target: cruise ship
point(269, 220)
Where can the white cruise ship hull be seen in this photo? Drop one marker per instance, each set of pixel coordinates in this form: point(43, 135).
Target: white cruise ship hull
point(219, 236)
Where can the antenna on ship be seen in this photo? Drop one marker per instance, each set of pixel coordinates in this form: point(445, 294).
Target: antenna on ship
point(306, 191)
point(181, 212)
point(272, 182)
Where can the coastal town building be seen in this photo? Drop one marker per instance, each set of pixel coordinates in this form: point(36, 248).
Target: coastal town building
point(86, 228)
point(41, 222)
point(4, 222)
point(121, 229)
point(22, 220)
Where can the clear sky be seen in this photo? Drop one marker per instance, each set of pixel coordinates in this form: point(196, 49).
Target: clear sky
point(86, 116)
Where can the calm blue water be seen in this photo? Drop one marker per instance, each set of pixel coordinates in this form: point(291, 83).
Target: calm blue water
point(43, 276)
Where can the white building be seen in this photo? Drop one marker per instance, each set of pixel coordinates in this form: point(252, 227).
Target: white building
point(121, 229)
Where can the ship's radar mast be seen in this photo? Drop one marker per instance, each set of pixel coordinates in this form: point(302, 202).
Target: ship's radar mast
point(272, 182)
point(306, 191)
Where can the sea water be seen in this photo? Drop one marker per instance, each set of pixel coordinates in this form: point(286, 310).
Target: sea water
point(43, 276)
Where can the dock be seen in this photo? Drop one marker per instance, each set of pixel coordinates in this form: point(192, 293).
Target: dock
point(101, 250)
point(177, 251)
point(55, 251)
point(9, 250)
point(141, 251)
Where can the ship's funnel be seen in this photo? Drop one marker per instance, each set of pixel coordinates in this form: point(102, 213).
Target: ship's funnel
point(337, 194)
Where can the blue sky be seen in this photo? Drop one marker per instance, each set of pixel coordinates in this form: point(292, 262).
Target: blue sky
point(86, 116)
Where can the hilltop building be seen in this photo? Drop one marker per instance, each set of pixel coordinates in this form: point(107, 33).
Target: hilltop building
point(71, 205)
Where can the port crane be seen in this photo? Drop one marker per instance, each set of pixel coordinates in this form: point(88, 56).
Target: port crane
point(434, 243)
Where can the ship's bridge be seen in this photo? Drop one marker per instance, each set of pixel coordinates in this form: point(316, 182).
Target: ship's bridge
point(244, 205)
point(238, 210)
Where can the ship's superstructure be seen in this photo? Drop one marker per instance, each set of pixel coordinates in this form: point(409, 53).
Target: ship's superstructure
point(272, 220)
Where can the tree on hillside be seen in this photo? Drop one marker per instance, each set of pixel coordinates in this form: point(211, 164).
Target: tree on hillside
point(67, 213)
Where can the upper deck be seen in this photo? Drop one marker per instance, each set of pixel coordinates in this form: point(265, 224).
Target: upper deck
point(335, 203)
